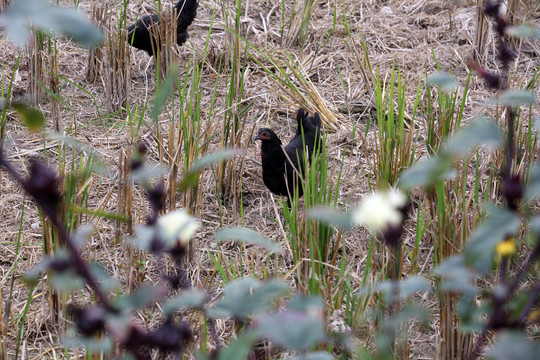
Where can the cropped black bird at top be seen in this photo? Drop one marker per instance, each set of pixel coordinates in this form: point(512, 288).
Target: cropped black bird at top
point(281, 168)
point(142, 37)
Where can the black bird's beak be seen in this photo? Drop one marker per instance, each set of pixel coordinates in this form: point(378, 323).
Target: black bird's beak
point(256, 138)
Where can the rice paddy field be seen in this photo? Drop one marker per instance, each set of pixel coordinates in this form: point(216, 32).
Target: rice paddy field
point(364, 66)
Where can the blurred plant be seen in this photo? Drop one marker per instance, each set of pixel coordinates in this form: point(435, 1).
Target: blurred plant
point(101, 326)
point(109, 325)
point(41, 14)
point(495, 294)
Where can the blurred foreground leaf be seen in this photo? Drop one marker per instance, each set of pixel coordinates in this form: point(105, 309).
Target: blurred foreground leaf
point(402, 289)
point(312, 356)
point(191, 178)
point(516, 97)
point(32, 118)
point(446, 82)
point(47, 17)
point(246, 236)
point(428, 171)
point(513, 345)
point(191, 299)
point(293, 329)
point(162, 93)
point(500, 223)
point(238, 349)
point(90, 344)
point(141, 298)
point(480, 131)
point(533, 188)
point(409, 311)
point(456, 276)
point(523, 31)
point(331, 216)
point(246, 296)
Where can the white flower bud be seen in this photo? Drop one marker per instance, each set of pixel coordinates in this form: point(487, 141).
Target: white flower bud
point(177, 226)
point(380, 210)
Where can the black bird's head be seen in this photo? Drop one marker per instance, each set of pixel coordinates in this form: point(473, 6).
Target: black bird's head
point(267, 135)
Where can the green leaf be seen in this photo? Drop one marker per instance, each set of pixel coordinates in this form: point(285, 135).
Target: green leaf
point(191, 299)
point(191, 178)
point(144, 234)
point(105, 281)
point(143, 297)
point(456, 276)
point(66, 281)
point(312, 356)
point(471, 316)
point(163, 92)
point(408, 312)
point(119, 324)
point(534, 226)
point(246, 296)
point(446, 82)
point(403, 288)
point(146, 173)
point(246, 236)
point(524, 31)
point(32, 277)
point(90, 344)
point(533, 189)
point(47, 17)
point(428, 171)
point(480, 250)
point(238, 349)
point(306, 303)
point(537, 123)
point(516, 98)
point(480, 131)
point(32, 118)
point(79, 146)
point(331, 216)
point(213, 158)
point(80, 236)
point(513, 345)
point(292, 329)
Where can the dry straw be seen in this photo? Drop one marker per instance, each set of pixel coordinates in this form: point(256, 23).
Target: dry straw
point(117, 70)
point(35, 63)
point(166, 36)
point(100, 13)
point(299, 21)
point(54, 86)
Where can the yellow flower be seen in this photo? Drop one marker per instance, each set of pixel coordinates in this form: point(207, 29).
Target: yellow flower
point(534, 315)
point(507, 247)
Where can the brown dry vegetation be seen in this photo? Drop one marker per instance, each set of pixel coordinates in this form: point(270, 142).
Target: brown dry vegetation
point(406, 33)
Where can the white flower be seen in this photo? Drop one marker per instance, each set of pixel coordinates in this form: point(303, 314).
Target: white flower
point(397, 198)
point(379, 210)
point(177, 226)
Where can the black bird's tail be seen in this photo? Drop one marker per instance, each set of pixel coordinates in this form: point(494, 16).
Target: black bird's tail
point(316, 121)
point(187, 11)
point(308, 124)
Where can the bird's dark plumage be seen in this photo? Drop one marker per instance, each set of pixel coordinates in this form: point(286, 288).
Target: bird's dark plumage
point(141, 36)
point(280, 172)
point(312, 131)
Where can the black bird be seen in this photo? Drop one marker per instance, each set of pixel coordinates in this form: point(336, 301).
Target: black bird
point(281, 169)
point(303, 121)
point(141, 35)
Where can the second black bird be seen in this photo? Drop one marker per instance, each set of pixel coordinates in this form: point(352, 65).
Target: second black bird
point(143, 37)
point(281, 168)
